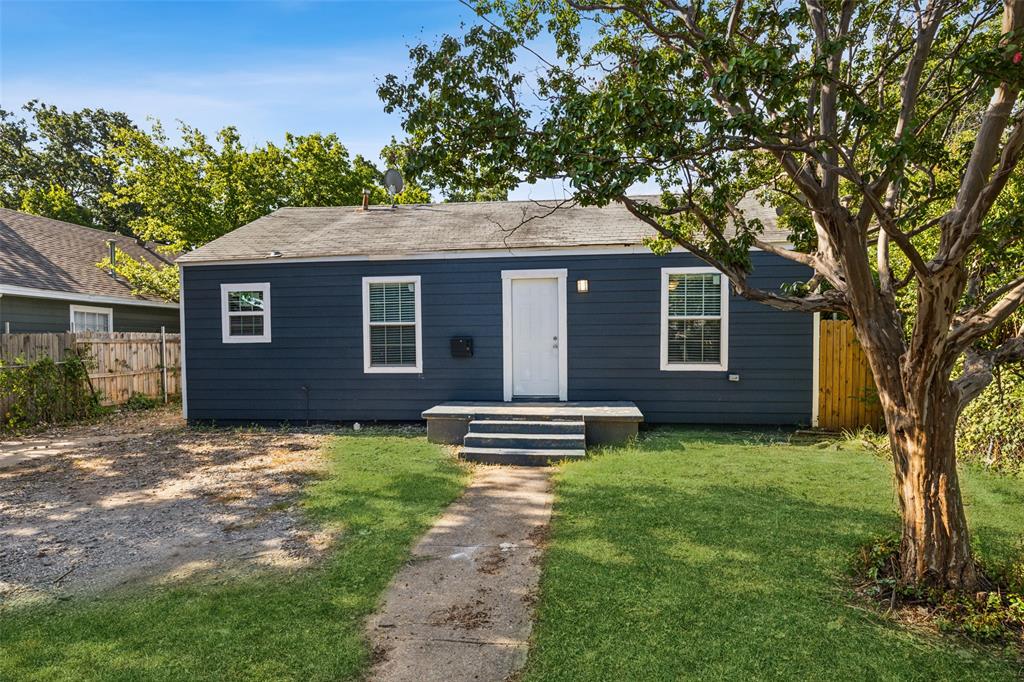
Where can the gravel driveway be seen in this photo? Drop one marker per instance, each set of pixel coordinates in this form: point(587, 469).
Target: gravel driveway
point(141, 498)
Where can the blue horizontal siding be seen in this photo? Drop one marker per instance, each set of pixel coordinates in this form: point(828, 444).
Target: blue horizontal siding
point(313, 368)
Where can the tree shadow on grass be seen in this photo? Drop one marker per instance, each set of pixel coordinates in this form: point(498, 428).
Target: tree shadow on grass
point(687, 579)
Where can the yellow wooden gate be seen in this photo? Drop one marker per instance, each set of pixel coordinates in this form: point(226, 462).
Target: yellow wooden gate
point(847, 398)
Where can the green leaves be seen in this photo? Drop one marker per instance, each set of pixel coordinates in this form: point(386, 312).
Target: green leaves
point(190, 192)
point(49, 164)
point(1001, 60)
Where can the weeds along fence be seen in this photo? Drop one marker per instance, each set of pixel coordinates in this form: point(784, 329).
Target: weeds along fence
point(120, 364)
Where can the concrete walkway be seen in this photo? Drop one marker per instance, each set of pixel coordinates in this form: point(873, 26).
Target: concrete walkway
point(462, 608)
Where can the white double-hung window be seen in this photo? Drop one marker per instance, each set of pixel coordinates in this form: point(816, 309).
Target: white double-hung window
point(694, 319)
point(392, 331)
point(87, 318)
point(245, 313)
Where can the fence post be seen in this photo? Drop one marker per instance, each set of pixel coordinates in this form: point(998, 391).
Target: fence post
point(163, 362)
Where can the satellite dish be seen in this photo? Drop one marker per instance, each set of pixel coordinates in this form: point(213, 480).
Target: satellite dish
point(393, 182)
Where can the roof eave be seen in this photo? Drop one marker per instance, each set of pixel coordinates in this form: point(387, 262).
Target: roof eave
point(31, 292)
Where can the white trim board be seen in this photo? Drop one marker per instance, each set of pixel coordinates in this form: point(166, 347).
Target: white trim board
point(815, 368)
point(225, 315)
point(532, 252)
point(181, 331)
point(29, 292)
point(560, 274)
point(417, 292)
point(73, 308)
point(723, 365)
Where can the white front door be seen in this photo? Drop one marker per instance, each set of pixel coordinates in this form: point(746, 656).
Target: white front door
point(535, 339)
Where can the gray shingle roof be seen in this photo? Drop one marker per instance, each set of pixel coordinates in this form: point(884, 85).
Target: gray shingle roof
point(43, 253)
point(436, 228)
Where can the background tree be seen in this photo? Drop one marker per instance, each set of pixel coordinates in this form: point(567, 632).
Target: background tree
point(188, 193)
point(49, 164)
point(470, 184)
point(883, 131)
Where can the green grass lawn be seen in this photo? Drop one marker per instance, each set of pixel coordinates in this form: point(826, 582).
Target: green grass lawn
point(696, 556)
point(383, 491)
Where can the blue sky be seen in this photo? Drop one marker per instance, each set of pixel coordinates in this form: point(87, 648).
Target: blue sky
point(265, 66)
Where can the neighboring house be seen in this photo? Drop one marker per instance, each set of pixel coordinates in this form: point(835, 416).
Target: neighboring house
point(49, 281)
point(348, 314)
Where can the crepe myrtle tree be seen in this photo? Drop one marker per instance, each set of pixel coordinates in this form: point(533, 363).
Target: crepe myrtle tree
point(884, 133)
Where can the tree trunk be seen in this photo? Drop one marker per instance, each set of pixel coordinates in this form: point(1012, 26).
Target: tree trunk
point(935, 549)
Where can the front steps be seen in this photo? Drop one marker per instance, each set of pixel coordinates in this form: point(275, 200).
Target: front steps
point(528, 441)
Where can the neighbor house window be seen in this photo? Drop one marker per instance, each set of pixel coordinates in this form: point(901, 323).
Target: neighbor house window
point(245, 313)
point(694, 319)
point(392, 336)
point(85, 318)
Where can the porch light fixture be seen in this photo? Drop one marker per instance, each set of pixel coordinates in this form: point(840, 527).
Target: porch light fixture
point(582, 286)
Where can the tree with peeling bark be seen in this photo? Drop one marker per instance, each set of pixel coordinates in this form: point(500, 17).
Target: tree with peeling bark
point(884, 132)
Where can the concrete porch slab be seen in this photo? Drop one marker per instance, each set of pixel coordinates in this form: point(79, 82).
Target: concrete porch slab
point(607, 423)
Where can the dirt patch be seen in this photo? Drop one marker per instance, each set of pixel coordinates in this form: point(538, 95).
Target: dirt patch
point(464, 616)
point(540, 535)
point(379, 654)
point(141, 497)
point(492, 562)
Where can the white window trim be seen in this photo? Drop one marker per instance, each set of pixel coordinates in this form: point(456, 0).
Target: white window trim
point(666, 366)
point(507, 276)
point(225, 316)
point(109, 312)
point(368, 368)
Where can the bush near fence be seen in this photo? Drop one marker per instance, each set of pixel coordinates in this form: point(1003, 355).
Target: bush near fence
point(991, 429)
point(45, 392)
point(120, 364)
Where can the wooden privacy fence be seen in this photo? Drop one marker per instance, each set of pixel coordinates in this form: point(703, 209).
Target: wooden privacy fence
point(120, 364)
point(847, 398)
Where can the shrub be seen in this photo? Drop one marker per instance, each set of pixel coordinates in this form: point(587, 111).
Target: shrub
point(45, 392)
point(990, 432)
point(140, 401)
point(991, 429)
point(992, 615)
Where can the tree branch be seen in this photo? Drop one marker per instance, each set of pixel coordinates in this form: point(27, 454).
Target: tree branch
point(981, 322)
point(828, 301)
point(978, 367)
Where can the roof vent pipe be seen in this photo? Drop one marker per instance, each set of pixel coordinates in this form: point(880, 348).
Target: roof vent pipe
point(366, 200)
point(112, 249)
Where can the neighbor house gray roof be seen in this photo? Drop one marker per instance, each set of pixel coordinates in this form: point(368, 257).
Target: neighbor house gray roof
point(384, 231)
point(52, 255)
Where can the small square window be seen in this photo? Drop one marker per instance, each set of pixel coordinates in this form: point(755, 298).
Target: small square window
point(245, 313)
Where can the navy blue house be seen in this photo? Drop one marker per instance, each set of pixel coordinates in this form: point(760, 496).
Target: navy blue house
point(345, 314)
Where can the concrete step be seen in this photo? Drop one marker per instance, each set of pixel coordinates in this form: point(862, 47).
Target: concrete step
point(519, 456)
point(523, 416)
point(526, 426)
point(529, 441)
